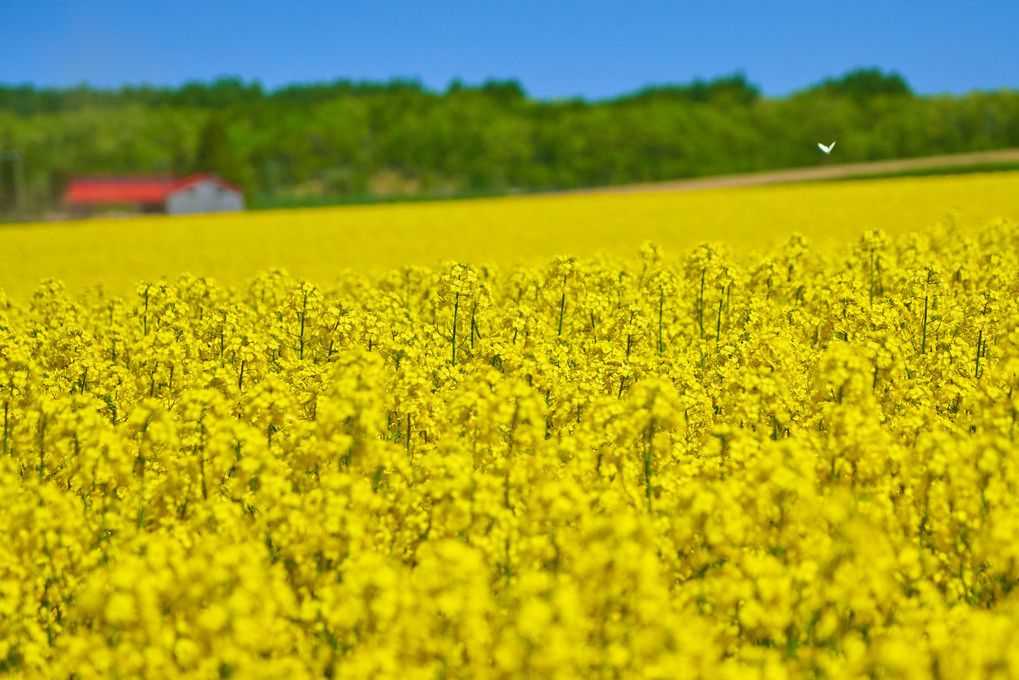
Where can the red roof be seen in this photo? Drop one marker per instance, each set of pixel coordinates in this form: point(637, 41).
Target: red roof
point(144, 190)
point(141, 190)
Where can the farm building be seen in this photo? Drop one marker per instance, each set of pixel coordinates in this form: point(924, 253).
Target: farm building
point(198, 193)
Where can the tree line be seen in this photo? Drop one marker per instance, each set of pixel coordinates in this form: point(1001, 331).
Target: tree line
point(348, 140)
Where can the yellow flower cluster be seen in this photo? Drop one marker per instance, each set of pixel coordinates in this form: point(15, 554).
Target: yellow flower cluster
point(794, 465)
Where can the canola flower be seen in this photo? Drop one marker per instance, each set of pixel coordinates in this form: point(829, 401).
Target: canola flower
point(801, 464)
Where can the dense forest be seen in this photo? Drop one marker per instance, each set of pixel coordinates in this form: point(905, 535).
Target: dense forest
point(345, 140)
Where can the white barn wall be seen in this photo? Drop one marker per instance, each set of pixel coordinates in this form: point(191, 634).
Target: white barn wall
point(202, 197)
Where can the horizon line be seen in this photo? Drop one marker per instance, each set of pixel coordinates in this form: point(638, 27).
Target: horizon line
point(418, 82)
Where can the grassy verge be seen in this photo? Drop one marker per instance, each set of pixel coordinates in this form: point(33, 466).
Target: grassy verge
point(926, 172)
point(278, 202)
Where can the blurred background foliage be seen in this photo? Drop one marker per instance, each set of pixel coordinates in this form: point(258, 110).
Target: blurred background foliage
point(356, 141)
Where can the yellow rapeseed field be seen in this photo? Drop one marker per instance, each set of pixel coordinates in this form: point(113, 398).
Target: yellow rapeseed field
point(318, 244)
point(679, 459)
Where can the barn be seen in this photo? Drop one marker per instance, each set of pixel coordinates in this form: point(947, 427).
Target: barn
point(199, 193)
point(203, 193)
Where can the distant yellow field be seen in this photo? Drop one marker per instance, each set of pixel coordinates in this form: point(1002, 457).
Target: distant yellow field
point(318, 243)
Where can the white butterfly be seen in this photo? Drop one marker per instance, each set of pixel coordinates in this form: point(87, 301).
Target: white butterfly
point(826, 149)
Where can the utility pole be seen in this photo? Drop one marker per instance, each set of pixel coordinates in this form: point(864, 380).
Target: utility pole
point(15, 156)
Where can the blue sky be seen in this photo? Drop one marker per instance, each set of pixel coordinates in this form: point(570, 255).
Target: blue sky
point(555, 49)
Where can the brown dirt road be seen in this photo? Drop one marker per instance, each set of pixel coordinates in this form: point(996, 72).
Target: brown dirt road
point(838, 171)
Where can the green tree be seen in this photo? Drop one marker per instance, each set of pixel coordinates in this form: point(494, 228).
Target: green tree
point(216, 153)
point(8, 179)
point(864, 83)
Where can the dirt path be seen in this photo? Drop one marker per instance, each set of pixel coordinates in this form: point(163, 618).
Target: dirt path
point(807, 174)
